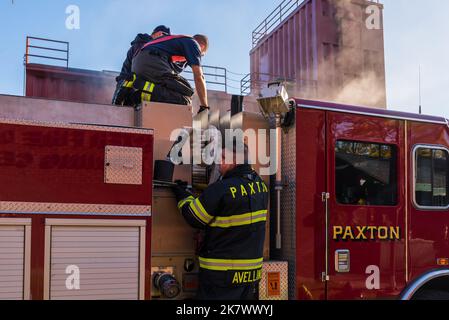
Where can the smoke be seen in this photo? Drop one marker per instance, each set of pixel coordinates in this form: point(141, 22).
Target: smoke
point(350, 71)
point(361, 71)
point(365, 90)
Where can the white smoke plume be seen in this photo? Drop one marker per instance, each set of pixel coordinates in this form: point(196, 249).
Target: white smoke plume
point(348, 72)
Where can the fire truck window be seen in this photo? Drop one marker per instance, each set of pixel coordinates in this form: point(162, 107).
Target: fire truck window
point(365, 174)
point(432, 177)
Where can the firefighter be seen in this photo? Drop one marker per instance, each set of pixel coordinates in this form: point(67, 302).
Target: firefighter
point(121, 94)
point(158, 66)
point(232, 212)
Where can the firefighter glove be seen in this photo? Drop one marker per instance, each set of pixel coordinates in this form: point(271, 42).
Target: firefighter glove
point(180, 190)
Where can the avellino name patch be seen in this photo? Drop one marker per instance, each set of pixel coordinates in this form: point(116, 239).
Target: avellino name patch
point(366, 233)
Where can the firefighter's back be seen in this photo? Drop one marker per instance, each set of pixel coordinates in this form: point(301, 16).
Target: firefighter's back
point(232, 254)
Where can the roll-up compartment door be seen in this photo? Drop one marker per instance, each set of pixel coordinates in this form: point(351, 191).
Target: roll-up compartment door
point(95, 261)
point(14, 259)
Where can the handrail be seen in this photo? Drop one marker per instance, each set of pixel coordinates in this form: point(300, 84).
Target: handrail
point(213, 75)
point(254, 81)
point(245, 85)
point(217, 76)
point(283, 10)
point(64, 57)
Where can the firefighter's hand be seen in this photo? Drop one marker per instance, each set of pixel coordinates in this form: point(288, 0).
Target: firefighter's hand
point(203, 108)
point(180, 190)
point(182, 184)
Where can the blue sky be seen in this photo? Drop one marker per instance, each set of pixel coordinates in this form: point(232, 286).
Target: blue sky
point(416, 33)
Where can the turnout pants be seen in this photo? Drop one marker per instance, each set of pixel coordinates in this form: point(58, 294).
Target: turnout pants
point(216, 286)
point(168, 86)
point(123, 94)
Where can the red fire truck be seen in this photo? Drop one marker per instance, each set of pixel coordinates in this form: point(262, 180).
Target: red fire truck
point(362, 212)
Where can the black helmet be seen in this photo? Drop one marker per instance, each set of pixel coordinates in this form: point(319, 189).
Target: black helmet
point(163, 29)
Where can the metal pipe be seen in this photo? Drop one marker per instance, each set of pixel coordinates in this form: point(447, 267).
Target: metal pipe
point(278, 184)
point(27, 50)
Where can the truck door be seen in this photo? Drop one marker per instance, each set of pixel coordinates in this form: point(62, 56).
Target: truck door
point(429, 220)
point(365, 206)
point(310, 183)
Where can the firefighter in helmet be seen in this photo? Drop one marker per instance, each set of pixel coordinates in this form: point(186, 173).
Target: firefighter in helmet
point(233, 213)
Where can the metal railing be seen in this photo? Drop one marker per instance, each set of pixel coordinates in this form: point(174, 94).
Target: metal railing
point(245, 85)
point(39, 48)
point(60, 47)
point(257, 81)
point(216, 76)
point(274, 19)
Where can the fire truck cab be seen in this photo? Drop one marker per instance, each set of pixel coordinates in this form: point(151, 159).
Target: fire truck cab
point(372, 202)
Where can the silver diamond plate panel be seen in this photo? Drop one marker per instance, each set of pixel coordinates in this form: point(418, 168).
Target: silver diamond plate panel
point(123, 165)
point(275, 281)
point(73, 208)
point(288, 206)
point(77, 126)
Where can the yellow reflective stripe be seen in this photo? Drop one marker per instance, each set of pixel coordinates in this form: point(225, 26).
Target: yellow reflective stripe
point(184, 201)
point(243, 216)
point(229, 264)
point(215, 268)
point(128, 84)
point(240, 220)
point(231, 261)
point(146, 93)
point(197, 214)
point(203, 211)
point(206, 218)
point(143, 96)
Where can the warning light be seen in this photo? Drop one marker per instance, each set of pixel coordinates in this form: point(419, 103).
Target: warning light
point(443, 261)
